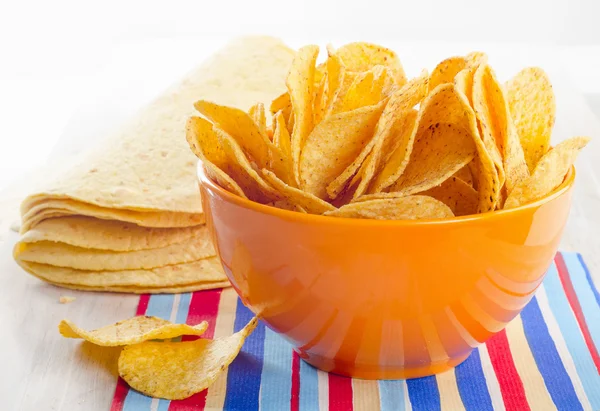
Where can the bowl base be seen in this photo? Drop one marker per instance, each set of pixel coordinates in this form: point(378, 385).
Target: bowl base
point(381, 373)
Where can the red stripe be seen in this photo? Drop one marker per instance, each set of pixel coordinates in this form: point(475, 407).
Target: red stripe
point(122, 387)
point(509, 380)
point(340, 393)
point(565, 279)
point(204, 306)
point(295, 396)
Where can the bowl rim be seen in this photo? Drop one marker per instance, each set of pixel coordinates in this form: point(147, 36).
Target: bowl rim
point(203, 179)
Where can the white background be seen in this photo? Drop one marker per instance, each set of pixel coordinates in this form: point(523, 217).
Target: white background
point(50, 51)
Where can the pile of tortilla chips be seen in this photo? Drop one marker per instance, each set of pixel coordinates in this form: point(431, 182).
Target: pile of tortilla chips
point(128, 217)
point(172, 370)
point(353, 137)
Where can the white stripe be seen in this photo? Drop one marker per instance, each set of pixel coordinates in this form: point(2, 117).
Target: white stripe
point(323, 385)
point(407, 404)
point(154, 404)
point(490, 379)
point(175, 308)
point(561, 347)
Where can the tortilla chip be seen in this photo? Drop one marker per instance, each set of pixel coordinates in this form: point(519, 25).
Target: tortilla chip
point(465, 174)
point(65, 255)
point(445, 71)
point(301, 83)
point(201, 271)
point(282, 167)
point(320, 100)
point(240, 125)
point(533, 108)
point(394, 137)
point(400, 208)
point(284, 104)
point(204, 143)
point(257, 112)
point(333, 145)
point(548, 174)
point(361, 56)
point(177, 370)
point(308, 202)
point(241, 170)
point(492, 110)
point(443, 144)
point(132, 331)
point(456, 194)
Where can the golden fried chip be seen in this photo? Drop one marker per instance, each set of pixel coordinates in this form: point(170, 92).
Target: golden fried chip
point(307, 201)
point(465, 174)
point(456, 194)
point(207, 147)
point(240, 125)
point(177, 370)
point(444, 142)
point(490, 124)
point(394, 136)
point(257, 112)
point(445, 71)
point(533, 109)
point(548, 174)
point(400, 208)
point(132, 331)
point(361, 56)
point(241, 170)
point(336, 73)
point(177, 289)
point(301, 83)
point(492, 110)
point(333, 145)
point(282, 166)
point(283, 104)
point(320, 100)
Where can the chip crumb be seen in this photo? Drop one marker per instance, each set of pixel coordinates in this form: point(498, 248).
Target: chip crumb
point(65, 299)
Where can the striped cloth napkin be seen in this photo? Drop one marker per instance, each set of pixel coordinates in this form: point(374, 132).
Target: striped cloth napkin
point(547, 358)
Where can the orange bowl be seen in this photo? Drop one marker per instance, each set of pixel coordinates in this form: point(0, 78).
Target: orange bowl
point(384, 299)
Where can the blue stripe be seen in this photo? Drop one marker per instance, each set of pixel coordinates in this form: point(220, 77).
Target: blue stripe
point(588, 276)
point(276, 386)
point(391, 395)
point(309, 387)
point(160, 305)
point(184, 308)
point(424, 394)
point(471, 384)
point(569, 328)
point(585, 295)
point(243, 377)
point(547, 359)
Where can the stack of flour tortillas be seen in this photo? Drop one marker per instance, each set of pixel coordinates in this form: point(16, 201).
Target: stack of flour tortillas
point(128, 217)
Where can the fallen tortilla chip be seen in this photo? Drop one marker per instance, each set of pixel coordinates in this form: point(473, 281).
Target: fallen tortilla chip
point(394, 137)
point(132, 331)
point(65, 299)
point(301, 83)
point(333, 145)
point(361, 56)
point(399, 208)
point(308, 202)
point(533, 108)
point(205, 144)
point(548, 174)
point(456, 194)
point(177, 370)
point(493, 113)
